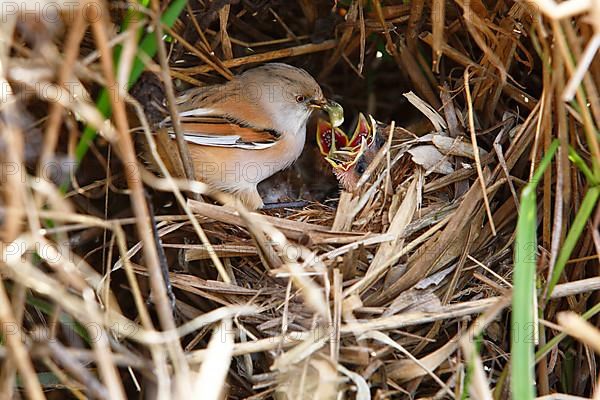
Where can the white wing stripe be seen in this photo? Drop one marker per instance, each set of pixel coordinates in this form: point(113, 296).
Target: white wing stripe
point(196, 112)
point(223, 141)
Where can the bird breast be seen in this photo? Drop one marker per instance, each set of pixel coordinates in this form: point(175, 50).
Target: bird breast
point(235, 169)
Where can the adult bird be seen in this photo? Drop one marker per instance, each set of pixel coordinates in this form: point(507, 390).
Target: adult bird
point(242, 132)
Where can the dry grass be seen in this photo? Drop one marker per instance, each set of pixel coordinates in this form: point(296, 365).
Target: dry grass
point(400, 290)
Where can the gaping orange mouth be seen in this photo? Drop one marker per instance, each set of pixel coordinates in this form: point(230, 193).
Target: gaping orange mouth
point(338, 149)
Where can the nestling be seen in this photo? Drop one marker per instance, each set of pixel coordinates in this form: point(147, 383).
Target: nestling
point(242, 132)
point(349, 156)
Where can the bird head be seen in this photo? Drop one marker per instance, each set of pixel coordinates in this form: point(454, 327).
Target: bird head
point(349, 156)
point(285, 95)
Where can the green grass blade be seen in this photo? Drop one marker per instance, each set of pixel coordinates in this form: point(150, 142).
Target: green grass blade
point(587, 207)
point(471, 366)
point(522, 312)
point(537, 176)
point(522, 335)
point(576, 159)
point(148, 46)
point(544, 350)
point(65, 319)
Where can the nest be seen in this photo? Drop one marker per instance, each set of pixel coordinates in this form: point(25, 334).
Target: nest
point(120, 280)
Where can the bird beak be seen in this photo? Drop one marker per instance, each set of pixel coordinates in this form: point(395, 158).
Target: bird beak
point(350, 158)
point(333, 109)
point(364, 131)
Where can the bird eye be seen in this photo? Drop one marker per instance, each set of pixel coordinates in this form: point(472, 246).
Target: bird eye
point(300, 98)
point(361, 168)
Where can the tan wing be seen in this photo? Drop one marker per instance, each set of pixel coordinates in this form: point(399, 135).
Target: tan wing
point(214, 130)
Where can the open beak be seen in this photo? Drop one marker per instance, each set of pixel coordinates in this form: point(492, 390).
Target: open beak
point(352, 158)
point(333, 109)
